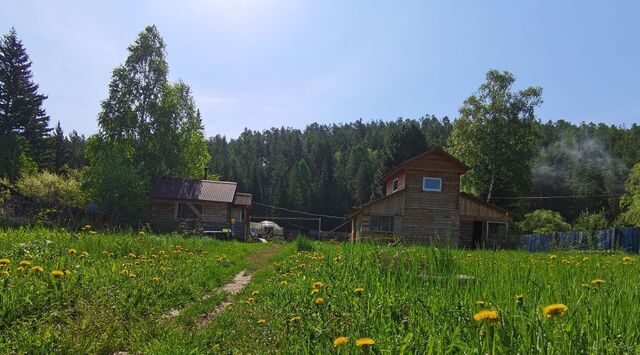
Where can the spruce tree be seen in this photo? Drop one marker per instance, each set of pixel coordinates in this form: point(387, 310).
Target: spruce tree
point(23, 120)
point(60, 150)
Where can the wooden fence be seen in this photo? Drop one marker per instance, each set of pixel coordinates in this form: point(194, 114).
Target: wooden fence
point(627, 239)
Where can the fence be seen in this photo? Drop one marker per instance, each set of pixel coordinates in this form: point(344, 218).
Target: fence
point(627, 239)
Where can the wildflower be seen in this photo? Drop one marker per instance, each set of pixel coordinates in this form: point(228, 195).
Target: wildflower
point(261, 322)
point(585, 258)
point(556, 309)
point(365, 342)
point(552, 258)
point(317, 284)
point(67, 272)
point(72, 251)
point(314, 291)
point(37, 268)
point(340, 341)
point(585, 285)
point(155, 278)
point(57, 273)
point(4, 273)
point(283, 282)
point(250, 300)
point(520, 300)
point(20, 268)
point(25, 263)
point(124, 272)
point(337, 259)
point(319, 301)
point(5, 261)
point(254, 293)
point(141, 233)
point(93, 232)
point(480, 303)
point(488, 315)
point(295, 319)
point(597, 281)
point(358, 290)
point(84, 254)
point(87, 226)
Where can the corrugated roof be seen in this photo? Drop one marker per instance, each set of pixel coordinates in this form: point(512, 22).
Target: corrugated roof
point(200, 190)
point(242, 199)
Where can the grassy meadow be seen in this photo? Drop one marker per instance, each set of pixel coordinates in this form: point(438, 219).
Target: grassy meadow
point(309, 298)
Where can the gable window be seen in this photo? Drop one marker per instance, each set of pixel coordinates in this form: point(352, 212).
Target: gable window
point(188, 210)
point(381, 223)
point(394, 185)
point(431, 184)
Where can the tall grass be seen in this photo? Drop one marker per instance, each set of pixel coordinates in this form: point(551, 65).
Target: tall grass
point(303, 243)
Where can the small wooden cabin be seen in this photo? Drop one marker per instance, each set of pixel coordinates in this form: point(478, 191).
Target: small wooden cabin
point(205, 205)
point(423, 201)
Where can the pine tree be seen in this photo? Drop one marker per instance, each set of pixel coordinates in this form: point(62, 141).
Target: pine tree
point(405, 141)
point(21, 111)
point(60, 150)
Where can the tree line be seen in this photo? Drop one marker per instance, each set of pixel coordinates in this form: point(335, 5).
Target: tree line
point(151, 128)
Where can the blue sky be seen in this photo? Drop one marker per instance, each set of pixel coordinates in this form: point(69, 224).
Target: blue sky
point(260, 64)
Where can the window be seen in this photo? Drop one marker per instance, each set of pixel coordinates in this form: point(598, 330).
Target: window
point(381, 224)
point(188, 210)
point(394, 185)
point(237, 213)
point(431, 184)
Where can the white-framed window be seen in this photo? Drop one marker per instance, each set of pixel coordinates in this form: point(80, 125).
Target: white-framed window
point(431, 184)
point(381, 223)
point(394, 185)
point(188, 210)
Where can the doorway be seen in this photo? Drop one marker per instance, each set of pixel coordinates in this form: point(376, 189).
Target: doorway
point(477, 234)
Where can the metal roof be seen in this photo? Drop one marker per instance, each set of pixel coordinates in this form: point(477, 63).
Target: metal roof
point(242, 199)
point(199, 190)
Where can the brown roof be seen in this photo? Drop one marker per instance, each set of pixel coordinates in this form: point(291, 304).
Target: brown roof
point(199, 190)
point(463, 167)
point(242, 199)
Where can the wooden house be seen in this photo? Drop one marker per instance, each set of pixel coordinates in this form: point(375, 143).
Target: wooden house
point(423, 201)
point(200, 205)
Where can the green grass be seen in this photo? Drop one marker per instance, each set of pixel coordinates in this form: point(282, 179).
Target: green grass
point(416, 301)
point(115, 290)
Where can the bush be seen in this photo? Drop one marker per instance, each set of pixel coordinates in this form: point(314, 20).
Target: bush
point(590, 221)
point(53, 190)
point(543, 221)
point(303, 243)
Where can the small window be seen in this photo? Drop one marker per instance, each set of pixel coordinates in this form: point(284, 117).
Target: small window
point(431, 184)
point(237, 213)
point(381, 224)
point(188, 210)
point(394, 185)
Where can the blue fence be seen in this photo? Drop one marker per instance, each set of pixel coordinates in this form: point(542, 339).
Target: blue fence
point(627, 239)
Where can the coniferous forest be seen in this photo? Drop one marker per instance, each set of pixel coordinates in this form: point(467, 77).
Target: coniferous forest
point(150, 128)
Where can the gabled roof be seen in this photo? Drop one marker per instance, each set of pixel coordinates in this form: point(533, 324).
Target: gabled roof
point(198, 190)
point(242, 199)
point(462, 167)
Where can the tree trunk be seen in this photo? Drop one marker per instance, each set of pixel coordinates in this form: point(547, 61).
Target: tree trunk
point(493, 178)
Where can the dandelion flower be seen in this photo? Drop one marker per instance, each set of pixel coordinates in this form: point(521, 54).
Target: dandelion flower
point(556, 309)
point(20, 268)
point(254, 293)
point(340, 341)
point(365, 342)
point(487, 315)
point(250, 300)
point(155, 278)
point(295, 319)
point(93, 232)
point(627, 259)
point(319, 301)
point(520, 300)
point(480, 303)
point(37, 268)
point(261, 322)
point(4, 273)
point(358, 290)
point(5, 261)
point(317, 284)
point(25, 263)
point(584, 285)
point(314, 291)
point(72, 251)
point(597, 281)
point(84, 254)
point(57, 273)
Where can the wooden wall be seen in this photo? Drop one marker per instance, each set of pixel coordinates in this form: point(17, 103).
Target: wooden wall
point(466, 233)
point(473, 209)
point(401, 176)
point(163, 216)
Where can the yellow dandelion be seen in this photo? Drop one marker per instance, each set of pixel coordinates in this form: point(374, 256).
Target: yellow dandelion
point(584, 285)
point(487, 315)
point(627, 259)
point(585, 258)
point(25, 263)
point(283, 282)
point(480, 303)
point(365, 342)
point(4, 273)
point(340, 341)
point(93, 232)
point(37, 268)
point(20, 268)
point(5, 261)
point(597, 281)
point(124, 272)
point(358, 290)
point(250, 300)
point(84, 254)
point(295, 319)
point(314, 291)
point(337, 258)
point(72, 251)
point(254, 293)
point(261, 322)
point(556, 309)
point(319, 301)
point(141, 233)
point(155, 278)
point(57, 273)
point(520, 300)
point(317, 284)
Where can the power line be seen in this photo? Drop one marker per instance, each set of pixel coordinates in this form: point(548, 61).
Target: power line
point(300, 212)
point(552, 197)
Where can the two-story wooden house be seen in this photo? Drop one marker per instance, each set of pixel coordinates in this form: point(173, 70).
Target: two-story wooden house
point(423, 202)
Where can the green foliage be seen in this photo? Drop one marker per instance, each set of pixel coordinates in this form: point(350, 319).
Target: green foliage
point(405, 141)
point(630, 202)
point(495, 135)
point(303, 243)
point(590, 221)
point(543, 221)
point(54, 190)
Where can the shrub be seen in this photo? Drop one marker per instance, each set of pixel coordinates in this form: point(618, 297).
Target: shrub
point(590, 221)
point(53, 190)
point(543, 221)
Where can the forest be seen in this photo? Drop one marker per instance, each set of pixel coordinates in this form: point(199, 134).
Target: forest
point(150, 127)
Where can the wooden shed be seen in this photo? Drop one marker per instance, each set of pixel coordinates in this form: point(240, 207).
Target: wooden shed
point(423, 201)
point(200, 205)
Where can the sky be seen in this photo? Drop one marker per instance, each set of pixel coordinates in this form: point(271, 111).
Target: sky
point(263, 64)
